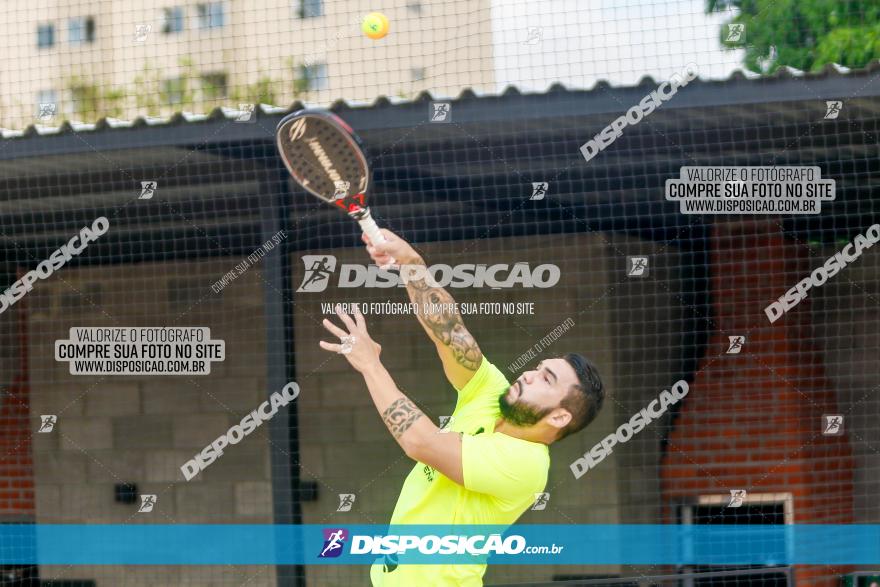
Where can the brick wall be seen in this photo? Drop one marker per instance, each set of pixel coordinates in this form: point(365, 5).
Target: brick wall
point(753, 420)
point(16, 463)
point(647, 323)
point(141, 429)
point(647, 338)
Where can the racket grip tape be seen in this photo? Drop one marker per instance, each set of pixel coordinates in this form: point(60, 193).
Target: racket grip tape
point(371, 229)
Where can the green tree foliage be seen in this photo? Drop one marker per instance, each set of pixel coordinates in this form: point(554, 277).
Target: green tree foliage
point(154, 93)
point(300, 77)
point(90, 102)
point(112, 102)
point(146, 91)
point(804, 34)
point(262, 91)
point(301, 81)
point(85, 96)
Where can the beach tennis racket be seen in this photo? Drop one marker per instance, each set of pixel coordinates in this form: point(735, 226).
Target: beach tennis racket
point(327, 158)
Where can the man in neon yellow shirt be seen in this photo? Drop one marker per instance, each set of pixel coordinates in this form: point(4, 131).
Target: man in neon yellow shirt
point(488, 469)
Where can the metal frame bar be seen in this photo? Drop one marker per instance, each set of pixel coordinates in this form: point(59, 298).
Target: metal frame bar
point(281, 369)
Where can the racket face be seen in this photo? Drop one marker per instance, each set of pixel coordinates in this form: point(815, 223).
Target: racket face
point(325, 156)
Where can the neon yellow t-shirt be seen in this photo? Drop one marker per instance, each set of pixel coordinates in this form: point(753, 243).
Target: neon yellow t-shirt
point(501, 474)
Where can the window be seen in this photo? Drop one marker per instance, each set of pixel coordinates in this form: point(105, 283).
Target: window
point(417, 73)
point(45, 35)
point(47, 104)
point(214, 85)
point(210, 15)
point(310, 8)
point(172, 19)
point(47, 97)
point(172, 90)
point(81, 30)
point(315, 76)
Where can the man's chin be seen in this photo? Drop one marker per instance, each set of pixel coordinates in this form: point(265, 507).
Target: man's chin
point(505, 401)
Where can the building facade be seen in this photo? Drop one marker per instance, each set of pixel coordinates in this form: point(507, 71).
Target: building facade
point(83, 61)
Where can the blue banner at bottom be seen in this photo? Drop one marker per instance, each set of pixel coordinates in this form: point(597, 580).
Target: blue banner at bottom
point(529, 544)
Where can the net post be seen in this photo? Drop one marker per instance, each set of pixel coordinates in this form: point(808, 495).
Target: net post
point(280, 370)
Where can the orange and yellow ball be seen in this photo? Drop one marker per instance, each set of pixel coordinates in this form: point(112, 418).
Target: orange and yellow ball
point(375, 25)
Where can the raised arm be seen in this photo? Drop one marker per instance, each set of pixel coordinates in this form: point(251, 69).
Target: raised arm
point(437, 310)
point(416, 435)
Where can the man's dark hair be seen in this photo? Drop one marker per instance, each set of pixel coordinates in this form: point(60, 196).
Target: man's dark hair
point(584, 400)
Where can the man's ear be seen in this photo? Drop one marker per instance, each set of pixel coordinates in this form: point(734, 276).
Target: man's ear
point(559, 418)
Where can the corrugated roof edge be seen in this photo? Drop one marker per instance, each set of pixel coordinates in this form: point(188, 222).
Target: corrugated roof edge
point(384, 101)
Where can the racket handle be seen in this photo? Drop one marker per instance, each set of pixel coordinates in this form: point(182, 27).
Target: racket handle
point(369, 226)
point(371, 229)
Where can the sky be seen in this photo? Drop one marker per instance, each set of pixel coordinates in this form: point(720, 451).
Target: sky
point(580, 42)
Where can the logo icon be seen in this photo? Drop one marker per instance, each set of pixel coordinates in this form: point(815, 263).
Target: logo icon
point(534, 35)
point(148, 501)
point(736, 344)
point(297, 129)
point(334, 540)
point(346, 501)
point(637, 266)
point(446, 423)
point(320, 268)
point(347, 344)
point(318, 271)
point(737, 496)
point(736, 33)
point(148, 188)
point(47, 423)
point(141, 31)
point(541, 501)
point(246, 113)
point(539, 190)
point(832, 424)
point(46, 111)
point(441, 112)
point(341, 189)
point(833, 108)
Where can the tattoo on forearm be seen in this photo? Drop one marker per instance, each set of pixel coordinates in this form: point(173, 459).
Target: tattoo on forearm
point(445, 323)
point(400, 416)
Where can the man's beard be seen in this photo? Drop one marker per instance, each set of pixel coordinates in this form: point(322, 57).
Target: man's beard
point(520, 413)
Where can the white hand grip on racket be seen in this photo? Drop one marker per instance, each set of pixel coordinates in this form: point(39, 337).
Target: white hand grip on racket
point(371, 229)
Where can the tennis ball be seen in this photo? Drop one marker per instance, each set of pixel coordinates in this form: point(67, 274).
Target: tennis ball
point(375, 25)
